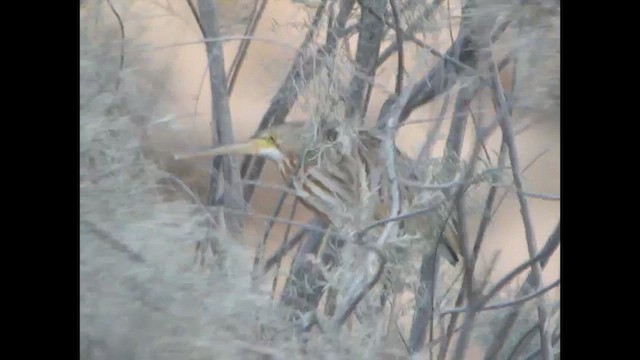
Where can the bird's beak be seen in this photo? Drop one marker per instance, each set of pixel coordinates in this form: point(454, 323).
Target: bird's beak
point(251, 147)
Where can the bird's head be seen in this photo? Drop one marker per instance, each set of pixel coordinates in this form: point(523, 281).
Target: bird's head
point(276, 143)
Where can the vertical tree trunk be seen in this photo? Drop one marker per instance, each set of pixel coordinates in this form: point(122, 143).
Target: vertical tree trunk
point(221, 128)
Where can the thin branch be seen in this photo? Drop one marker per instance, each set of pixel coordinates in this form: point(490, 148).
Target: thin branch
point(276, 187)
point(283, 250)
point(541, 257)
point(400, 74)
point(184, 187)
point(425, 152)
point(524, 170)
point(428, 272)
point(256, 15)
point(547, 250)
point(424, 303)
point(346, 7)
point(541, 196)
point(486, 213)
point(455, 138)
point(451, 329)
point(299, 224)
point(536, 353)
point(505, 304)
point(260, 248)
point(442, 76)
point(194, 12)
point(112, 242)
point(285, 240)
point(507, 130)
point(344, 315)
point(438, 54)
point(523, 342)
point(122, 37)
point(467, 258)
point(398, 218)
point(411, 29)
point(219, 39)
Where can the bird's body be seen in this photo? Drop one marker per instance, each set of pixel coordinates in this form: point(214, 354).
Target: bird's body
point(342, 180)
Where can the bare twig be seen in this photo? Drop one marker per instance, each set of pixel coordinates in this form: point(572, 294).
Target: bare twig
point(524, 170)
point(194, 12)
point(344, 315)
point(262, 245)
point(112, 242)
point(219, 39)
point(552, 244)
point(122, 37)
point(184, 187)
point(398, 218)
point(283, 250)
point(458, 126)
point(400, 74)
point(442, 76)
point(425, 152)
point(541, 196)
point(535, 354)
point(411, 29)
point(523, 342)
point(429, 263)
point(299, 224)
point(285, 240)
point(507, 130)
point(486, 213)
point(467, 255)
point(541, 258)
point(256, 15)
point(505, 304)
point(346, 7)
point(424, 303)
point(467, 259)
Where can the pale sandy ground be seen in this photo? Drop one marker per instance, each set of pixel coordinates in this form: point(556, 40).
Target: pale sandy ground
point(262, 73)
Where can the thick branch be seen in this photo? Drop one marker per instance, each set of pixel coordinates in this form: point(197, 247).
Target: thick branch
point(368, 48)
point(221, 128)
point(302, 290)
point(442, 76)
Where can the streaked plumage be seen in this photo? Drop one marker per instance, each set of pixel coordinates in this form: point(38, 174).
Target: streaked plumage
point(342, 180)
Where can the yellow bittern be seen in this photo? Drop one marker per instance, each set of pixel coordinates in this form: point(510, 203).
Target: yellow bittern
point(342, 180)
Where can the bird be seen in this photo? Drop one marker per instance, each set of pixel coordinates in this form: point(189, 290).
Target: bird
point(338, 175)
